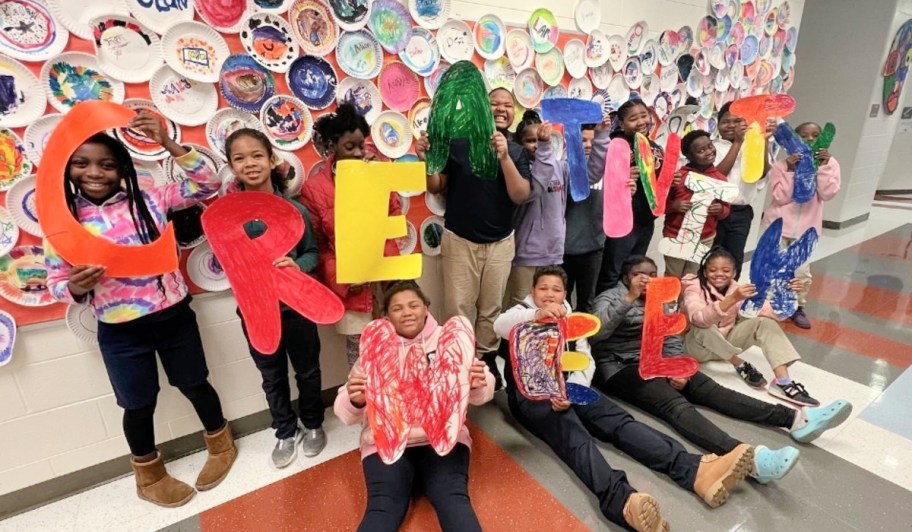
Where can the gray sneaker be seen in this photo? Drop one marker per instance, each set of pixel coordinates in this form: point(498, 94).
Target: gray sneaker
point(314, 441)
point(286, 450)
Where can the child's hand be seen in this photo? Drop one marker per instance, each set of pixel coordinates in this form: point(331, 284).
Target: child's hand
point(356, 385)
point(637, 287)
point(678, 384)
point(743, 292)
point(714, 209)
point(823, 156)
point(741, 130)
point(477, 375)
point(559, 405)
point(677, 178)
point(605, 124)
point(770, 128)
point(791, 161)
point(550, 311)
point(82, 279)
point(422, 146)
point(634, 178)
point(499, 143)
point(681, 206)
point(544, 131)
point(150, 126)
point(285, 262)
point(796, 285)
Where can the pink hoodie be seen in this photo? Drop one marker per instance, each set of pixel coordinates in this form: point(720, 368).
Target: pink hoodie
point(703, 312)
point(799, 217)
point(350, 414)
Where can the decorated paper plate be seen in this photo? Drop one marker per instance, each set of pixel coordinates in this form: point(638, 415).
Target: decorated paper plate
point(188, 226)
point(205, 271)
point(430, 14)
point(312, 80)
point(725, 28)
point(695, 83)
point(617, 52)
point(421, 54)
point(81, 321)
point(75, 77)
point(14, 164)
point(407, 243)
point(650, 88)
point(575, 58)
point(528, 88)
point(433, 81)
point(436, 203)
point(126, 50)
point(175, 174)
point(363, 94)
point(359, 54)
point(732, 53)
point(76, 16)
point(140, 146)
point(314, 27)
point(685, 64)
point(649, 57)
point(29, 32)
point(519, 49)
point(159, 16)
point(21, 99)
point(707, 31)
point(765, 47)
point(669, 47)
point(597, 49)
point(662, 105)
point(225, 122)
point(293, 170)
point(779, 39)
point(23, 277)
point(750, 49)
point(350, 15)
point(715, 56)
point(269, 40)
point(390, 22)
point(601, 76)
point(246, 84)
point(9, 232)
point(399, 86)
point(37, 134)
point(431, 234)
point(701, 63)
point(149, 174)
point(770, 24)
point(392, 134)
point(550, 66)
point(287, 121)
point(499, 73)
point(668, 80)
point(737, 34)
point(736, 73)
point(316, 168)
point(455, 41)
point(195, 50)
point(636, 35)
point(7, 337)
point(557, 91)
point(225, 16)
point(186, 101)
point(633, 72)
point(618, 91)
point(419, 115)
point(543, 30)
point(490, 36)
point(791, 39)
point(588, 15)
point(580, 88)
point(229, 181)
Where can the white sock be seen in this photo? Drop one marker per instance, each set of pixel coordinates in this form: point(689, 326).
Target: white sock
point(801, 419)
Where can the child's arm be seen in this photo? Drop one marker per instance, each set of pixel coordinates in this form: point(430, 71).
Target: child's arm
point(611, 309)
point(782, 183)
point(347, 412)
point(518, 187)
point(512, 317)
point(699, 313)
point(436, 183)
point(598, 155)
point(58, 279)
point(483, 394)
point(829, 179)
point(725, 162)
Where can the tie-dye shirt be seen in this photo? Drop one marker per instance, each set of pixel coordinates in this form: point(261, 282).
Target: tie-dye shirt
point(122, 299)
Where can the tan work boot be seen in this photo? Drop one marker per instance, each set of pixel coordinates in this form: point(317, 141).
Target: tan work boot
point(154, 484)
point(717, 476)
point(222, 453)
point(642, 514)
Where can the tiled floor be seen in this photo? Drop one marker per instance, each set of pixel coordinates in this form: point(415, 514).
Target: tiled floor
point(855, 478)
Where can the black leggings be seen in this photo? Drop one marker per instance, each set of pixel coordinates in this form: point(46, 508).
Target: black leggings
point(139, 429)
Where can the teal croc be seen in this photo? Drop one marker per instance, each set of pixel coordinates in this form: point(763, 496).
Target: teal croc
point(821, 419)
point(771, 464)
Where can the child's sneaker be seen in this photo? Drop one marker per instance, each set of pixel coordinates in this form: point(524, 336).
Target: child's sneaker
point(818, 420)
point(800, 319)
point(286, 450)
point(751, 376)
point(771, 464)
point(792, 392)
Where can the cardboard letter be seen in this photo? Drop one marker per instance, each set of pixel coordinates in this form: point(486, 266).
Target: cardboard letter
point(617, 220)
point(573, 113)
point(666, 177)
point(772, 268)
point(805, 184)
point(656, 326)
point(755, 110)
point(686, 245)
point(535, 356)
point(385, 410)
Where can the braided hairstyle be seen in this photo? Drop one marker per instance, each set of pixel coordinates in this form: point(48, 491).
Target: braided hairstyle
point(716, 252)
point(278, 179)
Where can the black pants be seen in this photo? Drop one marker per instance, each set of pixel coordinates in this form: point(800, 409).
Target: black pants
point(444, 479)
point(617, 250)
point(300, 344)
point(731, 233)
point(676, 408)
point(582, 273)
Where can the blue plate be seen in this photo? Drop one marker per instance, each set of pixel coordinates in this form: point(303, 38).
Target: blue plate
point(7, 337)
point(313, 81)
point(246, 84)
point(581, 395)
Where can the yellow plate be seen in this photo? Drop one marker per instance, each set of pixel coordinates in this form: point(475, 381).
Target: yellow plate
point(574, 361)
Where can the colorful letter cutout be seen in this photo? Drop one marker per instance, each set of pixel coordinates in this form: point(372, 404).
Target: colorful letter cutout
point(258, 285)
point(896, 67)
point(68, 237)
point(666, 177)
point(617, 218)
point(573, 113)
point(535, 355)
point(686, 245)
point(805, 185)
point(363, 223)
point(755, 110)
point(656, 326)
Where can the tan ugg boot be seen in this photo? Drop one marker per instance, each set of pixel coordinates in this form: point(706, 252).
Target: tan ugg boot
point(642, 514)
point(154, 484)
point(718, 475)
point(222, 453)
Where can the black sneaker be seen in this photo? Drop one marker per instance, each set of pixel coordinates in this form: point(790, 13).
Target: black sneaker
point(751, 376)
point(792, 392)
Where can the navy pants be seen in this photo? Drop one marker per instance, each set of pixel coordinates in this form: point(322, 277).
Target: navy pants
point(582, 273)
point(616, 252)
point(732, 232)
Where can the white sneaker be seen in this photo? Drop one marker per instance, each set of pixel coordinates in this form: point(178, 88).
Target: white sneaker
point(286, 450)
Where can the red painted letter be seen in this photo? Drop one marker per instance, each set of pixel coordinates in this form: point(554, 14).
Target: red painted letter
point(656, 326)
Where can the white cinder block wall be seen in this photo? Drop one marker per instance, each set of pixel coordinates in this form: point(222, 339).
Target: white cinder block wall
point(57, 411)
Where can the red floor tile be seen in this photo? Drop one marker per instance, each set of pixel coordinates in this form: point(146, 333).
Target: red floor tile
point(870, 345)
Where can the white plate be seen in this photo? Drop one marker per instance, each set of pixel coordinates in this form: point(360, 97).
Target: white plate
point(126, 50)
point(499, 73)
point(225, 122)
point(205, 271)
point(184, 100)
point(350, 15)
point(314, 18)
point(455, 41)
point(489, 35)
point(160, 15)
point(550, 66)
point(528, 88)
point(77, 15)
point(7, 337)
point(9, 232)
point(519, 49)
point(617, 52)
point(140, 146)
point(436, 203)
point(287, 122)
point(15, 164)
point(580, 88)
point(669, 77)
point(195, 51)
point(636, 35)
point(575, 58)
point(430, 14)
point(293, 183)
point(601, 76)
point(73, 77)
point(588, 15)
point(31, 33)
point(175, 174)
point(269, 40)
point(20, 202)
point(392, 134)
point(407, 243)
point(81, 321)
point(429, 236)
point(224, 16)
point(649, 57)
point(23, 277)
point(419, 115)
point(25, 101)
point(359, 54)
point(597, 49)
point(618, 90)
point(649, 89)
point(363, 94)
point(421, 54)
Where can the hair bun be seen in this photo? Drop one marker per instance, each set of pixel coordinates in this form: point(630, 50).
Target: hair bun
point(531, 114)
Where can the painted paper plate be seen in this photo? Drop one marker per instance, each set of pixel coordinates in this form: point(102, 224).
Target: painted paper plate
point(433, 81)
point(618, 91)
point(205, 271)
point(722, 80)
point(770, 24)
point(528, 88)
point(229, 182)
point(737, 34)
point(750, 49)
point(314, 27)
point(649, 57)
point(399, 86)
point(701, 63)
point(695, 84)
point(436, 203)
point(225, 16)
point(359, 54)
point(14, 164)
point(670, 47)
point(159, 16)
point(184, 100)
point(74, 77)
point(81, 321)
point(519, 49)
point(225, 122)
point(7, 337)
point(126, 50)
point(29, 32)
point(421, 54)
point(246, 84)
point(580, 88)
point(578, 394)
point(390, 23)
point(557, 91)
point(499, 73)
point(650, 88)
point(23, 277)
point(779, 39)
point(575, 58)
point(431, 233)
point(587, 15)
point(20, 202)
point(490, 36)
point(350, 15)
point(455, 41)
point(21, 99)
point(287, 121)
point(430, 14)
point(685, 64)
point(139, 145)
point(791, 39)
point(601, 76)
point(707, 31)
point(732, 53)
point(392, 134)
point(736, 74)
point(76, 16)
point(312, 80)
point(419, 115)
point(725, 28)
point(636, 35)
point(9, 232)
point(407, 243)
point(668, 80)
point(195, 51)
point(37, 134)
point(765, 47)
point(715, 56)
point(543, 30)
point(597, 49)
point(149, 174)
point(617, 52)
point(633, 72)
point(550, 66)
point(175, 174)
point(269, 40)
point(363, 94)
point(293, 170)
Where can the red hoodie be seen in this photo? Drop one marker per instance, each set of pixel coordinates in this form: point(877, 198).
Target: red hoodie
point(673, 220)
